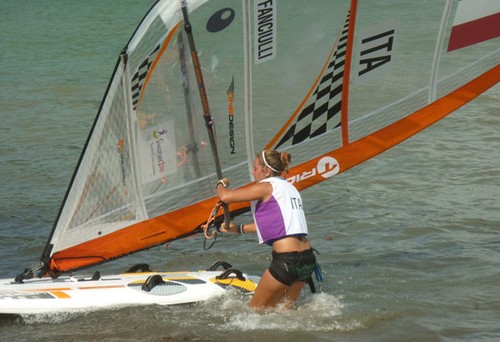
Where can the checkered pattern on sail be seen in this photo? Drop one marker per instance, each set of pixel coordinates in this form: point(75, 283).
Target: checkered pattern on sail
point(322, 111)
point(140, 76)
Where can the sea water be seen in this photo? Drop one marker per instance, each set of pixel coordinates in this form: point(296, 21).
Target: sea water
point(409, 241)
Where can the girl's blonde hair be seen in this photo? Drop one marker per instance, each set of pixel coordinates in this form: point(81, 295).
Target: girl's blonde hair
point(275, 161)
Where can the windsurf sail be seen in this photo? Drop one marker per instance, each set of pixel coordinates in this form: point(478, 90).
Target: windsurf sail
point(332, 82)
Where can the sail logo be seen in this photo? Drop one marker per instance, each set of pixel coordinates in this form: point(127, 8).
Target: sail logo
point(157, 152)
point(326, 167)
point(156, 134)
point(265, 30)
point(376, 48)
point(220, 20)
point(230, 113)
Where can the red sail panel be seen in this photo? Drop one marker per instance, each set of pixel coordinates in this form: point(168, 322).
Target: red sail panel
point(475, 31)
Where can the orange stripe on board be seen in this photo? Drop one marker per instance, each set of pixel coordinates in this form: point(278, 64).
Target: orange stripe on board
point(60, 294)
point(50, 289)
point(380, 141)
point(100, 287)
point(60, 289)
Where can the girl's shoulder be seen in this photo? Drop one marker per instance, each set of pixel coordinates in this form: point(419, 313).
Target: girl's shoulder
point(274, 180)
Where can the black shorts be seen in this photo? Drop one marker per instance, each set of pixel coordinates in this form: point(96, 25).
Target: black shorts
point(288, 268)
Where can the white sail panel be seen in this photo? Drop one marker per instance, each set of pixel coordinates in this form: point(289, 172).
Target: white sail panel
point(306, 75)
point(101, 194)
point(113, 182)
point(130, 178)
point(375, 48)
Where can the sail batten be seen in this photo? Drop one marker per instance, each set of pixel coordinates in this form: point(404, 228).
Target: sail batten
point(351, 25)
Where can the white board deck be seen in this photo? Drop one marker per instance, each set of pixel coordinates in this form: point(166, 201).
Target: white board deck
point(71, 293)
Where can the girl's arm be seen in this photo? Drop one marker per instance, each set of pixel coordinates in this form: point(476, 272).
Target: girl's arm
point(257, 191)
point(239, 228)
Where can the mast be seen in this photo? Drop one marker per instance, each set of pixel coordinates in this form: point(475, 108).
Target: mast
point(247, 38)
point(193, 148)
point(209, 121)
